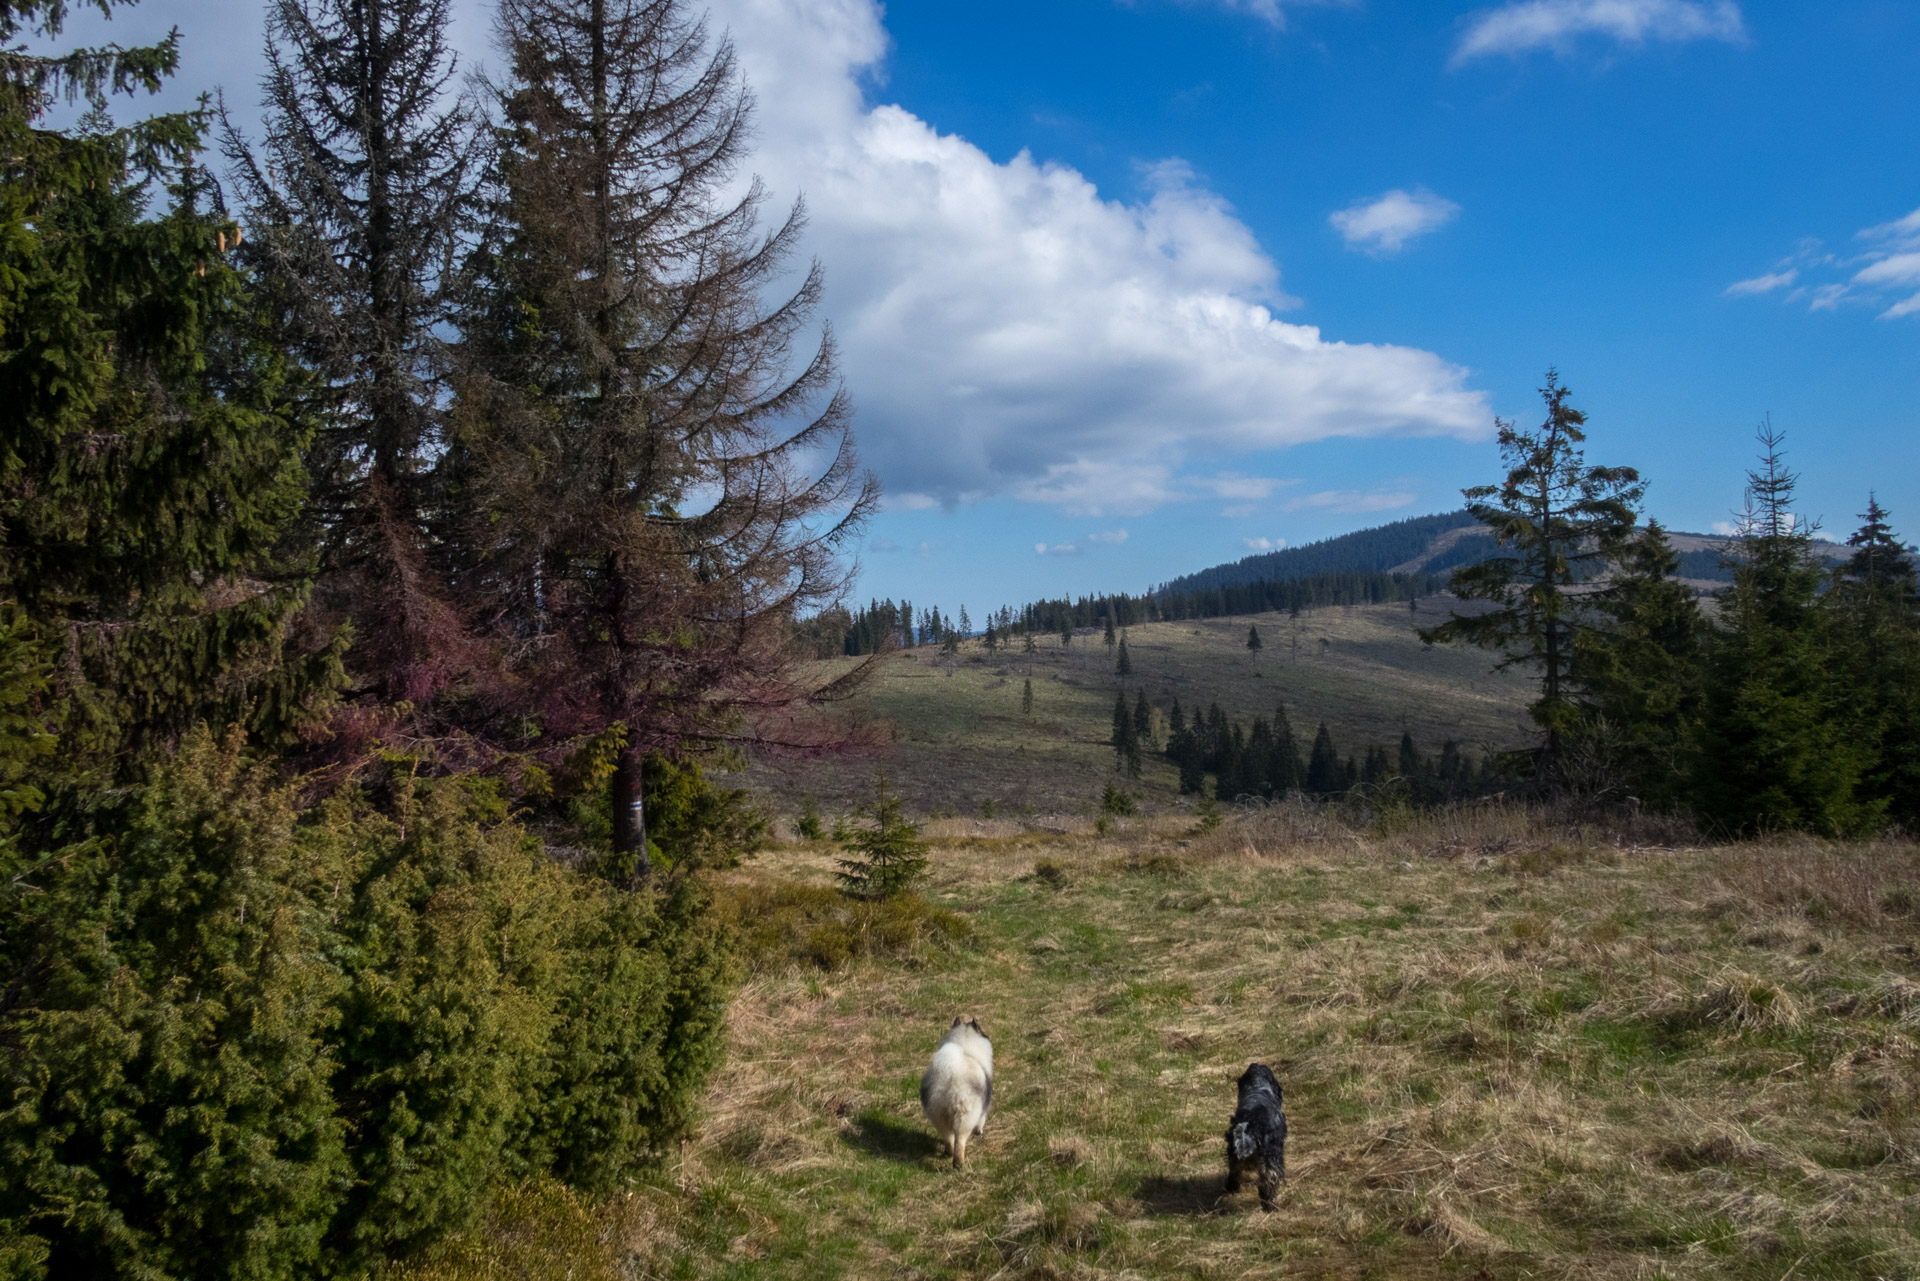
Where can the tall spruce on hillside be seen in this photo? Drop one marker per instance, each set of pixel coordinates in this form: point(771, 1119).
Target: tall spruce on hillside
point(1874, 610)
point(631, 456)
point(1775, 749)
point(356, 201)
point(149, 467)
point(1560, 522)
point(1639, 666)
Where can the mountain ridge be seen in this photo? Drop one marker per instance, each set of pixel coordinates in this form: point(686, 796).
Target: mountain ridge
point(1432, 544)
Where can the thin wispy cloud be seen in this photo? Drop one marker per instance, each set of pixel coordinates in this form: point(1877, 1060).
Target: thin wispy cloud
point(1763, 284)
point(1884, 274)
point(1108, 536)
point(1353, 500)
point(1274, 11)
point(1264, 544)
point(1234, 485)
point(1561, 25)
point(1055, 549)
point(1383, 226)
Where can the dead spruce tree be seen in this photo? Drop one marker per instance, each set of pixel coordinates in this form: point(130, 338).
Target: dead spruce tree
point(354, 204)
point(648, 491)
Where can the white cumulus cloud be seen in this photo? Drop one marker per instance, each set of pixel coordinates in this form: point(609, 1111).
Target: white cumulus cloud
point(1384, 225)
point(1006, 328)
point(1558, 24)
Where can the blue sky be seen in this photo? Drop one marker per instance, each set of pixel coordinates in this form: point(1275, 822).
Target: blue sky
point(1128, 289)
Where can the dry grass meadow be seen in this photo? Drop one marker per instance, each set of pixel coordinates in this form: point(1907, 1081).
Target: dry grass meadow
point(959, 743)
point(1511, 1046)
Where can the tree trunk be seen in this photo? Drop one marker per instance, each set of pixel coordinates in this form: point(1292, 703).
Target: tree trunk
point(629, 813)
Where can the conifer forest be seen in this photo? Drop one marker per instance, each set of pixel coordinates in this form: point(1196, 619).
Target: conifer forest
point(417, 513)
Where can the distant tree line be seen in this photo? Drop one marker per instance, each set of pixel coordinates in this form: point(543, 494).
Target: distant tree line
point(1224, 758)
point(864, 631)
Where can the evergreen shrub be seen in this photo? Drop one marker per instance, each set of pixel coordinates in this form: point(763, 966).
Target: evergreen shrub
point(887, 858)
point(245, 1041)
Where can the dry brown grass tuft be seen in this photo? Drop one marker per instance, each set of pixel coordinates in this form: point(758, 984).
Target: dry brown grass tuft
point(1740, 1000)
point(785, 925)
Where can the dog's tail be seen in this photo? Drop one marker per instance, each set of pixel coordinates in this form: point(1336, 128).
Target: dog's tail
point(1241, 1143)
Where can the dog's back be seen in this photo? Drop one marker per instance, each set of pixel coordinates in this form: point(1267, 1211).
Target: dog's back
point(957, 1089)
point(1257, 1135)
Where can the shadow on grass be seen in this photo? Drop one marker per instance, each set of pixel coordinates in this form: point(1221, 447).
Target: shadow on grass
point(878, 1134)
point(1192, 1195)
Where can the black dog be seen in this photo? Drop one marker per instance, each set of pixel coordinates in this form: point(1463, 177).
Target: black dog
point(1257, 1137)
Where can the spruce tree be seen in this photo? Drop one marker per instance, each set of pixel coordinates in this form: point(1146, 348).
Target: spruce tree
point(1285, 773)
point(1558, 523)
point(150, 467)
point(1874, 621)
point(1143, 719)
point(356, 203)
point(1773, 750)
point(1026, 697)
point(1124, 667)
point(886, 859)
point(1253, 641)
point(1122, 737)
point(1325, 775)
point(1639, 666)
point(645, 488)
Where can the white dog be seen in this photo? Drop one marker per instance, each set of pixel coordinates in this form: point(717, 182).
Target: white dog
point(957, 1090)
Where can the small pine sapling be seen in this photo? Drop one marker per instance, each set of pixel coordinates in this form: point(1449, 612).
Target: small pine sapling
point(1026, 694)
point(887, 859)
point(809, 827)
point(1208, 812)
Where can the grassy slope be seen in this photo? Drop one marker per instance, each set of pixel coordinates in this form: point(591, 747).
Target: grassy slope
point(960, 740)
point(1508, 1051)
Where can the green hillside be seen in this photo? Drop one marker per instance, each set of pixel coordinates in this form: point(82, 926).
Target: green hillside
point(958, 738)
